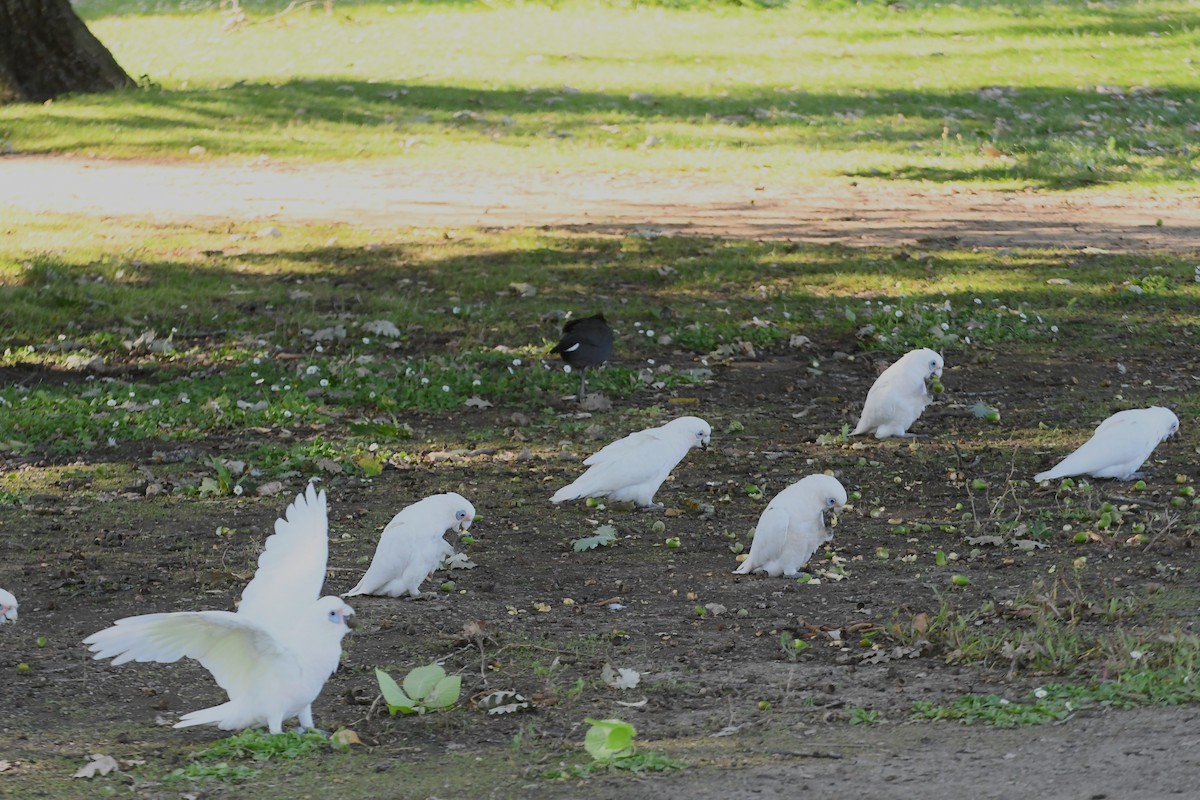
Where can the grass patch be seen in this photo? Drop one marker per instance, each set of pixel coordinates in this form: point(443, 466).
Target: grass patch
point(1006, 94)
point(214, 761)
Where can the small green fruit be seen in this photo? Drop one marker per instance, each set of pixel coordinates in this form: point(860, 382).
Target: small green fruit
point(659, 526)
point(592, 502)
point(22, 668)
point(467, 539)
point(1181, 478)
point(992, 416)
point(701, 611)
point(673, 543)
point(1186, 491)
point(1080, 537)
point(1140, 486)
point(764, 705)
point(939, 558)
point(448, 586)
point(41, 641)
point(1067, 483)
point(960, 580)
point(1105, 521)
point(978, 484)
point(936, 387)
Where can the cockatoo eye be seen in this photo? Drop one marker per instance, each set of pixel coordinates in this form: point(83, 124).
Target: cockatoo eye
point(461, 515)
point(334, 616)
point(933, 365)
point(829, 501)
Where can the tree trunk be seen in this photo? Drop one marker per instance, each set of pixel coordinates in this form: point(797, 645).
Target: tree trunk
point(46, 50)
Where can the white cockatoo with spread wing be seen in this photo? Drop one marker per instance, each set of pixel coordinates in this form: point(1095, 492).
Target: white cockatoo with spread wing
point(275, 653)
point(899, 395)
point(412, 546)
point(1119, 445)
point(793, 526)
point(8, 607)
point(633, 468)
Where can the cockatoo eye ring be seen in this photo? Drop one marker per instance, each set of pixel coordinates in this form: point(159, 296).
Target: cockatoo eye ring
point(460, 515)
point(333, 615)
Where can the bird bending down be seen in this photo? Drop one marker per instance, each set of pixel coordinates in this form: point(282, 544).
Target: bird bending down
point(8, 607)
point(899, 395)
point(275, 653)
point(412, 546)
point(632, 469)
point(793, 526)
point(586, 342)
point(1119, 445)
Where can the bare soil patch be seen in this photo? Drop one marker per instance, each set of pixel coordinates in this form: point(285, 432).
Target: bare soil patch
point(84, 561)
point(397, 194)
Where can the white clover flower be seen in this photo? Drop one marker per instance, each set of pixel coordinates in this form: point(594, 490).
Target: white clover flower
point(1040, 693)
point(156, 402)
point(445, 388)
point(566, 367)
point(253, 374)
point(424, 381)
point(1054, 329)
point(1137, 655)
point(313, 370)
point(238, 490)
point(112, 403)
point(287, 413)
point(477, 382)
point(516, 362)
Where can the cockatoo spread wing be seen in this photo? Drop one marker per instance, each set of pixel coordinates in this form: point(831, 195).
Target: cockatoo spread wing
point(237, 652)
point(291, 569)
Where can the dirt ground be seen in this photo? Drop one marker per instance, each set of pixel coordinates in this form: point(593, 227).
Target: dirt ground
point(397, 194)
point(719, 691)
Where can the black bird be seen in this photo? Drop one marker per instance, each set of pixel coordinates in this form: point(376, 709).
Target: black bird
point(586, 342)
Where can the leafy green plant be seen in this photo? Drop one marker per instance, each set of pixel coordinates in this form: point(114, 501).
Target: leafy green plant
point(604, 536)
point(610, 744)
point(425, 689)
point(608, 739)
point(262, 746)
point(863, 716)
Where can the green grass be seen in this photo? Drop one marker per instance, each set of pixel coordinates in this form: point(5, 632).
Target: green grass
point(254, 334)
point(1057, 95)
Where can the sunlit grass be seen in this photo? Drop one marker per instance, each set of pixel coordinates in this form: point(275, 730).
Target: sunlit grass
point(1056, 95)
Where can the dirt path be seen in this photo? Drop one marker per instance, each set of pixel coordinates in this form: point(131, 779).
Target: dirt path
point(395, 194)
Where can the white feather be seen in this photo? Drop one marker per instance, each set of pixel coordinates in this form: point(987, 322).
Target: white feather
point(412, 546)
point(8, 607)
point(633, 468)
point(898, 396)
point(272, 656)
point(1119, 445)
point(793, 526)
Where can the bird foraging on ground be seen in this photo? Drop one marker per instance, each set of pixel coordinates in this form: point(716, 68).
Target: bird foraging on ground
point(275, 653)
point(8, 607)
point(412, 546)
point(632, 469)
point(1119, 445)
point(586, 342)
point(899, 395)
point(793, 526)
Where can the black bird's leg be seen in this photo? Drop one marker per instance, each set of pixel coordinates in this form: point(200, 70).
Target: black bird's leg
point(582, 384)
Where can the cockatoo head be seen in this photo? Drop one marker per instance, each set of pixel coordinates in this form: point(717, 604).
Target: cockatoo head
point(696, 431)
point(8, 607)
point(335, 611)
point(823, 492)
point(928, 362)
point(461, 512)
point(1170, 422)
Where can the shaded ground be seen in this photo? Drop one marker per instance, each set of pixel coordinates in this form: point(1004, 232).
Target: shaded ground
point(706, 681)
point(750, 718)
point(387, 195)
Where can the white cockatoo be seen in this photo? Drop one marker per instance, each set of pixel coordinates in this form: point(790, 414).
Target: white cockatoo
point(412, 546)
point(632, 469)
point(899, 395)
point(793, 526)
point(8, 607)
point(275, 653)
point(1119, 445)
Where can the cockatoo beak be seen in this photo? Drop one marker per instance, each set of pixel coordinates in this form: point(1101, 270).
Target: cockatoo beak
point(704, 445)
point(350, 621)
point(938, 372)
point(9, 613)
point(466, 523)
